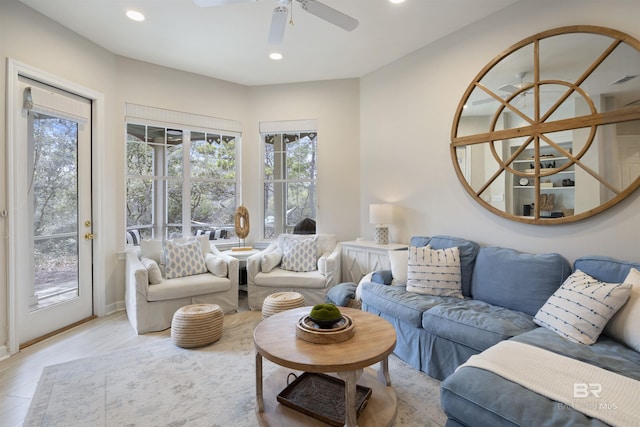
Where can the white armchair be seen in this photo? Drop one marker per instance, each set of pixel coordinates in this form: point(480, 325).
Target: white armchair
point(151, 299)
point(266, 275)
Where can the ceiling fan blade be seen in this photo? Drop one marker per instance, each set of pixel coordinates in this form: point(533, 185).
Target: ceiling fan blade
point(508, 88)
point(278, 24)
point(207, 3)
point(329, 14)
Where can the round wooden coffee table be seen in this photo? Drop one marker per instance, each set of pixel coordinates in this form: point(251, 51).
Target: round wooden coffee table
point(374, 340)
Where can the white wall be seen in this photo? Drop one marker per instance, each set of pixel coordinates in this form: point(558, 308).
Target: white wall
point(407, 109)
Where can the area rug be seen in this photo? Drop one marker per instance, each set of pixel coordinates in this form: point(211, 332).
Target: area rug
point(160, 384)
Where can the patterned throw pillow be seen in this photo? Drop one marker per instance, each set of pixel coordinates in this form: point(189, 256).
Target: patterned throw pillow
point(581, 307)
point(434, 271)
point(183, 259)
point(300, 254)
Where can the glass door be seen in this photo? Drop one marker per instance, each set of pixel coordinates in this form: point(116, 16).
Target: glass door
point(55, 286)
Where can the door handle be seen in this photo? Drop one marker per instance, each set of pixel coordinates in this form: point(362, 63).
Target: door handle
point(89, 236)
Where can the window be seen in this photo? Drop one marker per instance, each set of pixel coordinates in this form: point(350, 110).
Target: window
point(181, 180)
point(289, 175)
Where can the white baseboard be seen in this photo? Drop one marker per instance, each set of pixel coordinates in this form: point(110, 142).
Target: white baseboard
point(116, 306)
point(4, 352)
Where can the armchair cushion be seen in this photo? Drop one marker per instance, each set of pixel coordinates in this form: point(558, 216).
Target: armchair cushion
point(271, 260)
point(154, 273)
point(216, 265)
point(184, 259)
point(300, 254)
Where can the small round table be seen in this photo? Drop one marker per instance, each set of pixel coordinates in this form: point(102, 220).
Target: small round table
point(373, 341)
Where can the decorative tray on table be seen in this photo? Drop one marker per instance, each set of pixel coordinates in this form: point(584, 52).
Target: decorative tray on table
point(308, 330)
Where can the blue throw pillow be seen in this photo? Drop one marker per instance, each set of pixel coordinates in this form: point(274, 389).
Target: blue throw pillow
point(384, 277)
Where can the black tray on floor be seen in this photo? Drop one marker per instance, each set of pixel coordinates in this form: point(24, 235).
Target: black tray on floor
point(322, 397)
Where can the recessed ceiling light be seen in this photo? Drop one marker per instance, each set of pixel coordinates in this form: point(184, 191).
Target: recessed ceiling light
point(135, 15)
point(396, 1)
point(276, 56)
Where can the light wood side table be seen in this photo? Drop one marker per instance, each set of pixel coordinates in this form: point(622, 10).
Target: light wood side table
point(374, 340)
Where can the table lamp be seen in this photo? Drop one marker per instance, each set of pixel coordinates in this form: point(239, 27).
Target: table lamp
point(381, 214)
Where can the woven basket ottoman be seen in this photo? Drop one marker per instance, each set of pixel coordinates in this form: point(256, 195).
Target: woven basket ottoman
point(197, 325)
point(281, 301)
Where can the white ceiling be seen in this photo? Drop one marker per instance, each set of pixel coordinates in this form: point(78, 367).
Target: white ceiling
point(230, 42)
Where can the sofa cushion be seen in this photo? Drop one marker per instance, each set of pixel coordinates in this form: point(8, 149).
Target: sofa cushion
point(279, 278)
point(300, 254)
point(517, 280)
point(152, 249)
point(623, 326)
point(605, 269)
point(183, 259)
point(605, 352)
point(468, 251)
point(399, 261)
point(216, 265)
point(474, 323)
point(396, 302)
point(581, 307)
point(271, 260)
point(434, 271)
point(188, 286)
point(153, 270)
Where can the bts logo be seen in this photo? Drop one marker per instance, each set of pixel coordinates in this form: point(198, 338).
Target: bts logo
point(582, 390)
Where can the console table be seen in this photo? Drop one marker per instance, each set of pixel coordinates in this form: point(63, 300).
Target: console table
point(360, 257)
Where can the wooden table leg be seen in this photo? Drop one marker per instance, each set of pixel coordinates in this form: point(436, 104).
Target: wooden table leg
point(383, 372)
point(350, 379)
point(259, 398)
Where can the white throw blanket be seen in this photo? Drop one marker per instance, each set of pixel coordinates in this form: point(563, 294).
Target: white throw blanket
point(596, 392)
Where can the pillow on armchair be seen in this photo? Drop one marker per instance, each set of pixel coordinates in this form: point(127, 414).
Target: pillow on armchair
point(300, 254)
point(184, 259)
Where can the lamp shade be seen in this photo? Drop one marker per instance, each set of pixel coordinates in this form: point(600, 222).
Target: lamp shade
point(381, 213)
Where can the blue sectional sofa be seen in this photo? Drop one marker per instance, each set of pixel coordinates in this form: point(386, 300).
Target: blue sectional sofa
point(503, 290)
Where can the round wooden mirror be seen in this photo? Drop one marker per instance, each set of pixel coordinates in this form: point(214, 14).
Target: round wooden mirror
point(549, 131)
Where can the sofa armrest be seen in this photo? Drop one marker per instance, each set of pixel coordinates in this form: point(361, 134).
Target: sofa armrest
point(137, 276)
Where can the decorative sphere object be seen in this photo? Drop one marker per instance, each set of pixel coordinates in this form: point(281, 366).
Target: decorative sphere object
point(325, 315)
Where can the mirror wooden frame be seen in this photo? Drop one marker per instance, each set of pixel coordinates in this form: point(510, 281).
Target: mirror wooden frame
point(537, 127)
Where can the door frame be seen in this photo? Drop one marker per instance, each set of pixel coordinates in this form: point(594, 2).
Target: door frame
point(15, 69)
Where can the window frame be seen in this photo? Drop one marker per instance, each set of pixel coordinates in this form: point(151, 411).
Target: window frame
point(285, 128)
point(189, 125)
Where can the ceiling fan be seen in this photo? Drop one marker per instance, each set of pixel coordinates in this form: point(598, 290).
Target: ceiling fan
point(280, 13)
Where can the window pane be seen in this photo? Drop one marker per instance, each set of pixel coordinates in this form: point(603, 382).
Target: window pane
point(268, 157)
point(175, 161)
point(213, 204)
point(301, 161)
point(300, 202)
point(139, 159)
point(139, 202)
point(174, 208)
point(289, 181)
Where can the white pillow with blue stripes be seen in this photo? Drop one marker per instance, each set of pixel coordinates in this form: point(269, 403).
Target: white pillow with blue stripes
point(434, 271)
point(580, 308)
